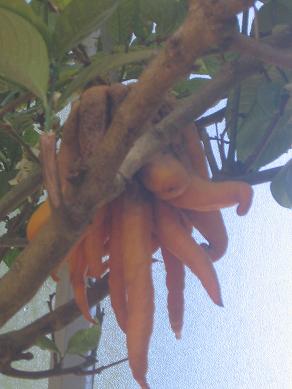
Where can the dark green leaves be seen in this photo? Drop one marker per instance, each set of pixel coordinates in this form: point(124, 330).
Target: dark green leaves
point(273, 13)
point(281, 186)
point(264, 129)
point(78, 20)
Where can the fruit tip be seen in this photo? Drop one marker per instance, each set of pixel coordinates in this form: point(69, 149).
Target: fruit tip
point(143, 383)
point(177, 335)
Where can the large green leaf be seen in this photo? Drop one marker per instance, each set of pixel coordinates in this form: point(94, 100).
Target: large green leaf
point(120, 25)
point(264, 119)
point(84, 340)
point(260, 114)
point(286, 3)
point(24, 55)
point(167, 14)
point(78, 20)
point(4, 86)
point(281, 186)
point(24, 10)
point(273, 13)
point(61, 4)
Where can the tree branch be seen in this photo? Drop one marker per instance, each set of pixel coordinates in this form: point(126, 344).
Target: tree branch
point(253, 178)
point(263, 51)
point(19, 193)
point(13, 242)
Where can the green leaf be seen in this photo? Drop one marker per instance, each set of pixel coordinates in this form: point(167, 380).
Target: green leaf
point(61, 4)
point(84, 340)
point(187, 87)
point(45, 343)
point(211, 64)
point(261, 101)
point(31, 137)
point(167, 14)
point(4, 86)
point(24, 10)
point(281, 186)
point(120, 25)
point(78, 20)
point(253, 132)
point(10, 256)
point(24, 56)
point(101, 65)
point(286, 3)
point(273, 13)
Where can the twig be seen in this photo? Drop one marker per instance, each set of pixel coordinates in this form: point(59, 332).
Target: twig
point(215, 117)
point(51, 309)
point(254, 178)
point(233, 129)
point(209, 152)
point(78, 369)
point(56, 371)
point(100, 369)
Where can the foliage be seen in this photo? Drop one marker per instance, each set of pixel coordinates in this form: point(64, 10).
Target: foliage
point(45, 63)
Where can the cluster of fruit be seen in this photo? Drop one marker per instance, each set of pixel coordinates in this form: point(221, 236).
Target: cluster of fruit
point(171, 195)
